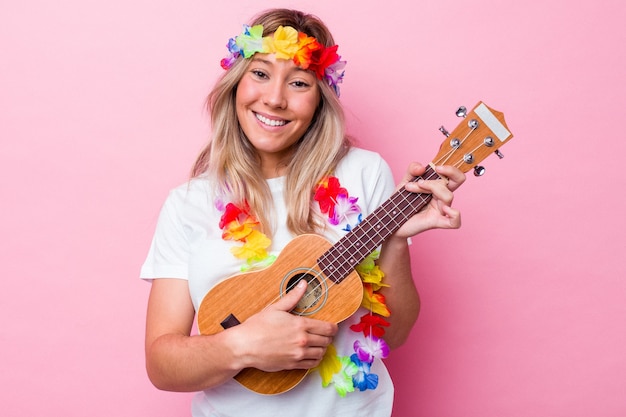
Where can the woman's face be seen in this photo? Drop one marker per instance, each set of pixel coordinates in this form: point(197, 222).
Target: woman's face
point(275, 101)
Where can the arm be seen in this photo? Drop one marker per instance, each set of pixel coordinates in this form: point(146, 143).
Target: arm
point(270, 340)
point(401, 296)
point(175, 360)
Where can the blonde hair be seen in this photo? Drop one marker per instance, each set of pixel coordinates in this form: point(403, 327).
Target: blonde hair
point(231, 162)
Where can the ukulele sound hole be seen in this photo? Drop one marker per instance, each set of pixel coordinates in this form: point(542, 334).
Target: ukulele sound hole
point(314, 296)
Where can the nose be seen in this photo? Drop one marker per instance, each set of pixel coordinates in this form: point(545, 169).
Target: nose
point(275, 95)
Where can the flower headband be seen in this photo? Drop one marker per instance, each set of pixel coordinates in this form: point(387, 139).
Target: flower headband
point(287, 43)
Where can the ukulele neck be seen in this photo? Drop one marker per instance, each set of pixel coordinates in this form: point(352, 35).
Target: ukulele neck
point(341, 259)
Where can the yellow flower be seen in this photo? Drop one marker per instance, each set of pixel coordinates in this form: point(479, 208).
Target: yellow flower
point(374, 277)
point(370, 273)
point(284, 43)
point(253, 250)
point(329, 365)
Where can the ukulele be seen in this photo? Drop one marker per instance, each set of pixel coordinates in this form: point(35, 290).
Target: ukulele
point(334, 291)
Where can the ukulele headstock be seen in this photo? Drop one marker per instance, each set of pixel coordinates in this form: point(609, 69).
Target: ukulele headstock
point(482, 132)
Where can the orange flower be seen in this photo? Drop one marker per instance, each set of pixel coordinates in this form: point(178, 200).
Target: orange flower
point(374, 302)
point(239, 231)
point(306, 46)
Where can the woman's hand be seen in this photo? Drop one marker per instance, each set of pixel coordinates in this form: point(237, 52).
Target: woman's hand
point(438, 214)
point(274, 339)
point(271, 340)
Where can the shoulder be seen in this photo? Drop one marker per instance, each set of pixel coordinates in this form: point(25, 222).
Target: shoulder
point(195, 188)
point(365, 174)
point(188, 201)
point(365, 163)
point(363, 155)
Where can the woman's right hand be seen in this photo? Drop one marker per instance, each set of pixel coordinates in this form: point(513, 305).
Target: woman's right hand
point(271, 340)
point(274, 339)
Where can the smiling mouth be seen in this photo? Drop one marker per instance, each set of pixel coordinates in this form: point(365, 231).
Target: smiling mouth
point(270, 122)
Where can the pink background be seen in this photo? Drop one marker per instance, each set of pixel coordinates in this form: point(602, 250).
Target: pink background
point(524, 308)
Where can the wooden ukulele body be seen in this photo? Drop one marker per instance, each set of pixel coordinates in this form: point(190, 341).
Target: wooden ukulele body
point(235, 299)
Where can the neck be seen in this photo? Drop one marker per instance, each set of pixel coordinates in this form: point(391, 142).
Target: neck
point(273, 165)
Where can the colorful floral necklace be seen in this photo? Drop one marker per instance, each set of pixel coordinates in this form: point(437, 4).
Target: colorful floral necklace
point(238, 224)
point(345, 372)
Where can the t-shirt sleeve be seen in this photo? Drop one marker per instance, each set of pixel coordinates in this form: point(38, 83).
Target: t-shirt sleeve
point(168, 255)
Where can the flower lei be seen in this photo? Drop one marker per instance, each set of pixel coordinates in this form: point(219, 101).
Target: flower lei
point(287, 43)
point(349, 372)
point(238, 224)
point(346, 373)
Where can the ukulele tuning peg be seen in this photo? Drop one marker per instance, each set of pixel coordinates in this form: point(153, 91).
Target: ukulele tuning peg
point(498, 153)
point(461, 112)
point(444, 131)
point(479, 171)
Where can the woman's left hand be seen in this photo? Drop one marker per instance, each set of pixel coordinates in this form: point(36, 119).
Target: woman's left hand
point(438, 214)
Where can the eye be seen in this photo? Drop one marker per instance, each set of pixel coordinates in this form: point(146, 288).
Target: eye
point(259, 73)
point(300, 84)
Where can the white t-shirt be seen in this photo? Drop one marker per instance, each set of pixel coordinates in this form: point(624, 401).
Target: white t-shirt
point(188, 245)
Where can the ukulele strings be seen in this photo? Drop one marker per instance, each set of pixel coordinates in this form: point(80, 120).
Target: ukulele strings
point(322, 279)
point(433, 175)
point(453, 149)
point(441, 161)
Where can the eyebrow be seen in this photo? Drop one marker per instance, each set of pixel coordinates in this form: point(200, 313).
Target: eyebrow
point(265, 61)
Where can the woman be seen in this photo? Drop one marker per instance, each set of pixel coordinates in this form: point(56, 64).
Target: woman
point(279, 165)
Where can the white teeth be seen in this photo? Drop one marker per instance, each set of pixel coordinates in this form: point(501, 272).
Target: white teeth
point(270, 122)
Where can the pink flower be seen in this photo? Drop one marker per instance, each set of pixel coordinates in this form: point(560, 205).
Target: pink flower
point(344, 207)
point(370, 348)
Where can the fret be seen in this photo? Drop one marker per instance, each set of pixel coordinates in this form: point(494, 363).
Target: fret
point(341, 259)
